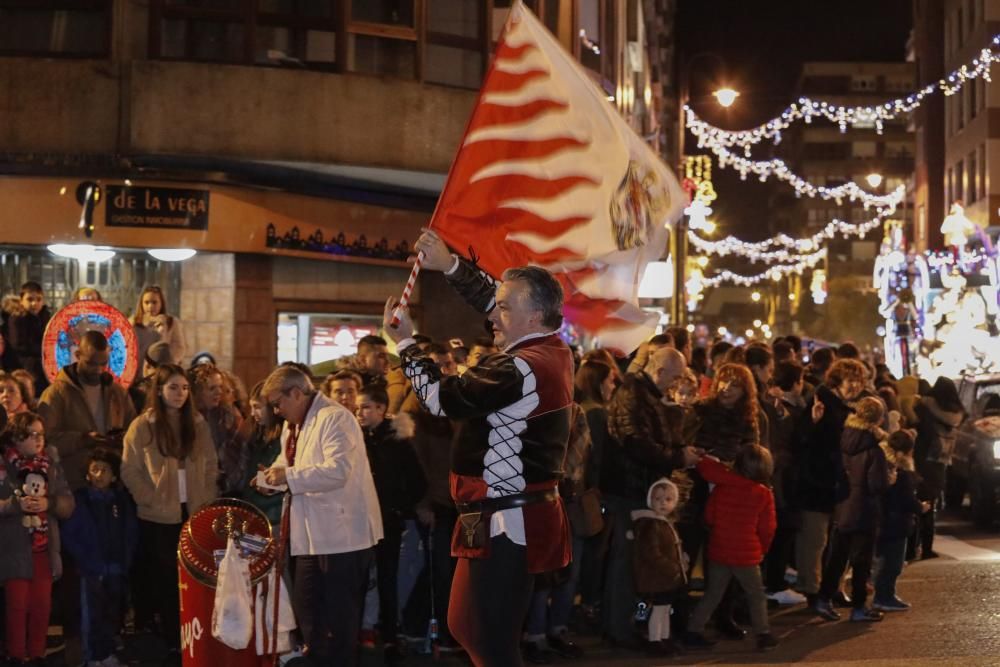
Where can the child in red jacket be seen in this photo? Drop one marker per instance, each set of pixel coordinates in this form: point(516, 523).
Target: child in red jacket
point(741, 523)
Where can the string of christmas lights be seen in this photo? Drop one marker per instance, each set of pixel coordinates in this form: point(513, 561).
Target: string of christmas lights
point(776, 272)
point(734, 246)
point(885, 204)
point(725, 249)
point(806, 108)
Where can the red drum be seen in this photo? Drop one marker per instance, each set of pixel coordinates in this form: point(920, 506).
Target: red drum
point(203, 541)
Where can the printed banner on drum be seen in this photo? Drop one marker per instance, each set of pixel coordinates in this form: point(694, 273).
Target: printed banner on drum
point(178, 208)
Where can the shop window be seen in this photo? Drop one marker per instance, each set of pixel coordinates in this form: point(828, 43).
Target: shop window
point(55, 28)
point(312, 338)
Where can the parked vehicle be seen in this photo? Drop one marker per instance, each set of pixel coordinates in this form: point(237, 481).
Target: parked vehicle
point(975, 465)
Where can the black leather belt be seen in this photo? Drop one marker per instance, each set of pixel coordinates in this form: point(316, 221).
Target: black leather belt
point(491, 505)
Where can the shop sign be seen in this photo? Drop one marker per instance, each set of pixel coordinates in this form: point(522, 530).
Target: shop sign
point(177, 208)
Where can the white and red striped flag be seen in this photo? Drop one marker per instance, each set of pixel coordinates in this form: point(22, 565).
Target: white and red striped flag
point(549, 174)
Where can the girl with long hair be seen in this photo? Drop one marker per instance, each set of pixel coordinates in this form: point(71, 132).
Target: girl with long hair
point(153, 323)
point(15, 397)
point(169, 467)
point(262, 435)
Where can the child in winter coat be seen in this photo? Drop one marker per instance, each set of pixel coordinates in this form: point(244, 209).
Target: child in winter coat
point(865, 479)
point(899, 512)
point(30, 503)
point(741, 523)
point(101, 535)
point(659, 565)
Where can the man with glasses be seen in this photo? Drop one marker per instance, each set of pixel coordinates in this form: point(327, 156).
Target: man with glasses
point(334, 518)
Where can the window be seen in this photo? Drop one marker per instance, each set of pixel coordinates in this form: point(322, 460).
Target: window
point(864, 149)
point(55, 28)
point(971, 190)
point(864, 83)
point(949, 184)
point(982, 171)
point(972, 98)
point(454, 51)
point(959, 188)
point(972, 15)
point(590, 34)
point(959, 29)
point(960, 108)
point(947, 36)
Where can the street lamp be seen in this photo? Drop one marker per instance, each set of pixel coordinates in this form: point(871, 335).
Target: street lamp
point(725, 96)
point(874, 179)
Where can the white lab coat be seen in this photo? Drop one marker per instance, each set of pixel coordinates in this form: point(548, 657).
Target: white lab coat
point(334, 506)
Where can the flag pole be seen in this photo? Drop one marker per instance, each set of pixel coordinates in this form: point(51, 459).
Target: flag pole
point(404, 299)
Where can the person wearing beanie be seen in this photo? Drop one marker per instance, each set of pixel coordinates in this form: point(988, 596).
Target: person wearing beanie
point(157, 354)
point(865, 477)
point(899, 511)
point(659, 564)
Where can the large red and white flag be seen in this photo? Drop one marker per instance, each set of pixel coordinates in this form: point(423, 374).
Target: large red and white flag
point(549, 174)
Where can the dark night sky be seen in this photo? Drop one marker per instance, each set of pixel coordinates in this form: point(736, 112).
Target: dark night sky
point(761, 45)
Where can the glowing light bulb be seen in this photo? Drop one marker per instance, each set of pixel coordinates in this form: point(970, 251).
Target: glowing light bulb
point(756, 324)
point(755, 297)
point(702, 261)
point(726, 96)
point(749, 333)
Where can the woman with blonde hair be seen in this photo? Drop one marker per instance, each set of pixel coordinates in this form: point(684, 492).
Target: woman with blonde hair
point(152, 323)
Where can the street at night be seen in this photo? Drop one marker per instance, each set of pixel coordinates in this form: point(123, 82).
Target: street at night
point(499, 333)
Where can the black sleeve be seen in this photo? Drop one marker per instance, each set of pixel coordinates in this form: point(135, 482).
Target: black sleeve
point(496, 383)
point(475, 286)
point(413, 473)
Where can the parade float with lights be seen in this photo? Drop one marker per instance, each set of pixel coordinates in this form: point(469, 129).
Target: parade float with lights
point(940, 308)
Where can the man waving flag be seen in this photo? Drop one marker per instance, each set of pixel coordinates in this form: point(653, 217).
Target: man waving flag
point(549, 174)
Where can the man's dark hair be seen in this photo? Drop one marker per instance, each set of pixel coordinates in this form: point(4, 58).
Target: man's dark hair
point(758, 356)
point(31, 287)
point(544, 290)
point(795, 342)
point(848, 351)
point(720, 349)
point(699, 360)
point(783, 350)
point(436, 348)
point(95, 340)
point(422, 339)
point(371, 341)
point(822, 358)
point(659, 340)
point(787, 374)
point(460, 354)
point(680, 336)
point(376, 393)
point(483, 341)
point(105, 455)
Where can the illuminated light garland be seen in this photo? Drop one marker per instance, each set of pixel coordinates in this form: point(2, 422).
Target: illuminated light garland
point(885, 204)
point(734, 246)
point(776, 272)
point(779, 255)
point(806, 108)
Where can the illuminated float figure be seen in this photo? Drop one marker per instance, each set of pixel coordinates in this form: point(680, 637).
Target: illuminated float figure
point(901, 280)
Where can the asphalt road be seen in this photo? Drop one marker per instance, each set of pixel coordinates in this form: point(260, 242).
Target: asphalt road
point(955, 620)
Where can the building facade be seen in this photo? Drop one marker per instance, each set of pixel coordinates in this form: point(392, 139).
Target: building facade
point(297, 145)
